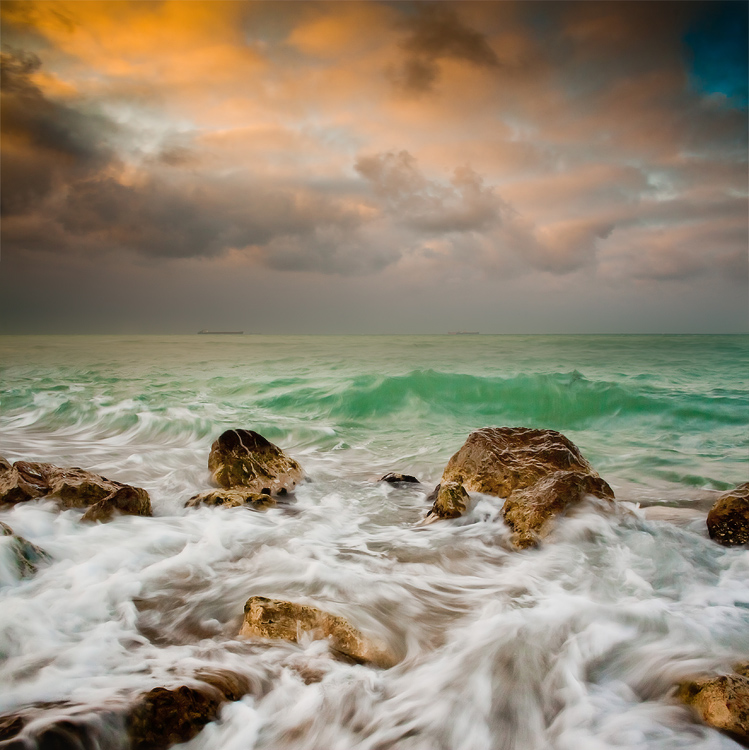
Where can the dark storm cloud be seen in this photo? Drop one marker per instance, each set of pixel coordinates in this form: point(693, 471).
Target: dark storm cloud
point(45, 144)
point(435, 32)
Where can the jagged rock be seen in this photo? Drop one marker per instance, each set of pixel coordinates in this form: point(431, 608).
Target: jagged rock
point(275, 618)
point(395, 477)
point(530, 512)
point(243, 458)
point(722, 702)
point(5, 465)
point(728, 520)
point(539, 472)
point(72, 488)
point(234, 498)
point(27, 555)
point(450, 500)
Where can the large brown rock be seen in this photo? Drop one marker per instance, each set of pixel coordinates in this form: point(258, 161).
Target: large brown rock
point(539, 472)
point(530, 512)
point(239, 497)
point(728, 519)
point(275, 618)
point(27, 555)
point(722, 702)
point(72, 488)
point(243, 458)
point(498, 460)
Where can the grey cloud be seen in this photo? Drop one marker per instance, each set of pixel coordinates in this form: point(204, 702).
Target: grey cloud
point(435, 33)
point(473, 220)
point(464, 204)
point(46, 143)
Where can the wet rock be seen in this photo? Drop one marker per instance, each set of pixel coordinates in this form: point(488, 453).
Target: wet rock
point(243, 458)
point(275, 618)
point(72, 488)
point(156, 720)
point(722, 702)
point(728, 520)
point(449, 499)
point(130, 501)
point(10, 726)
point(529, 512)
point(5, 465)
point(234, 498)
point(540, 472)
point(164, 717)
point(27, 555)
point(498, 460)
point(62, 726)
point(395, 477)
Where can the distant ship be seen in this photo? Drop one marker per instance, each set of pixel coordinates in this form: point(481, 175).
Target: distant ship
point(462, 333)
point(223, 333)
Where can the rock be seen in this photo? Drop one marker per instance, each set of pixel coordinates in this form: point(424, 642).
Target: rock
point(243, 458)
point(450, 500)
point(396, 478)
point(27, 555)
point(234, 498)
point(722, 702)
point(539, 472)
point(5, 465)
point(498, 460)
point(275, 618)
point(72, 488)
point(131, 501)
point(728, 520)
point(156, 720)
point(61, 726)
point(164, 717)
point(529, 512)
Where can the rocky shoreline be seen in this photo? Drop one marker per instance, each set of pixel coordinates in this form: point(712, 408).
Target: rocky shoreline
point(540, 474)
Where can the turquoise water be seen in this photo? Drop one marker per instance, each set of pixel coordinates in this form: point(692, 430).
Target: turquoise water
point(667, 411)
point(590, 632)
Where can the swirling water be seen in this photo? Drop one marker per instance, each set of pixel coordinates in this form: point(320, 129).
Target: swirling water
point(575, 645)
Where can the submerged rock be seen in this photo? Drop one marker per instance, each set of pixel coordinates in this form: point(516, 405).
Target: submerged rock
point(27, 555)
point(275, 618)
point(722, 702)
point(728, 519)
point(243, 458)
point(449, 499)
point(234, 498)
point(72, 488)
point(155, 720)
point(395, 477)
point(540, 472)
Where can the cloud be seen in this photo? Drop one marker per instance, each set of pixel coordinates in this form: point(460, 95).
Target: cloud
point(463, 204)
point(436, 33)
point(45, 143)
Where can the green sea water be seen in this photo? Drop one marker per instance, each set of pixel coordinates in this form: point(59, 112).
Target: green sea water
point(656, 411)
point(577, 644)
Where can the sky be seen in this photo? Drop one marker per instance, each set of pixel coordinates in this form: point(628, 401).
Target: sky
point(374, 167)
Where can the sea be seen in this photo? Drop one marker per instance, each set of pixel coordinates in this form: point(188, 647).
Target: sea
point(575, 645)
